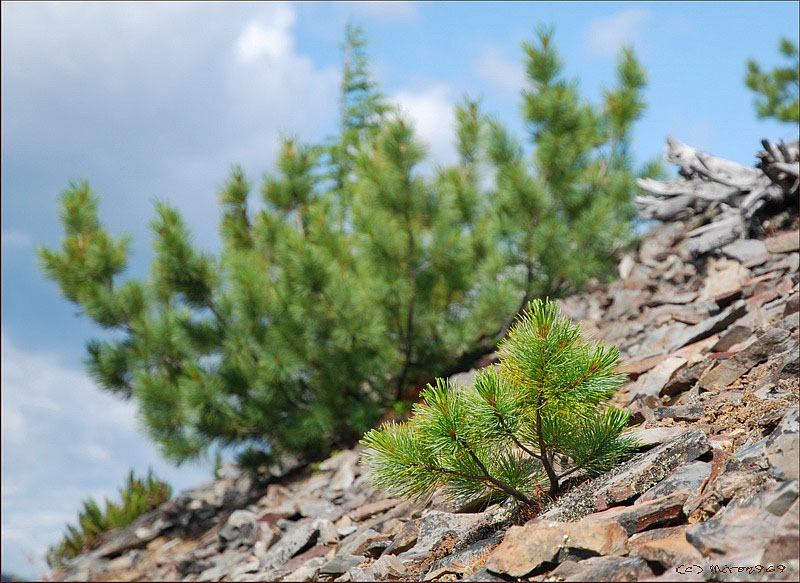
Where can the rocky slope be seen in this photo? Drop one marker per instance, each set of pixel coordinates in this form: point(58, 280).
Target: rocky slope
point(711, 347)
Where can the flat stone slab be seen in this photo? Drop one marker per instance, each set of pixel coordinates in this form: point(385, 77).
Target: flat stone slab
point(340, 564)
point(642, 516)
point(143, 530)
point(652, 382)
point(360, 542)
point(485, 576)
point(373, 508)
point(711, 325)
point(387, 567)
point(632, 478)
point(292, 542)
point(670, 550)
point(748, 252)
point(526, 548)
point(638, 367)
point(405, 538)
point(603, 569)
point(466, 557)
point(655, 435)
point(783, 242)
point(782, 499)
point(782, 447)
point(309, 571)
point(774, 341)
point(680, 412)
point(435, 526)
point(688, 477)
point(738, 528)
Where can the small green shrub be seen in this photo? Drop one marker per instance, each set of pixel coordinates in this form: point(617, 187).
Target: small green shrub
point(138, 496)
point(523, 426)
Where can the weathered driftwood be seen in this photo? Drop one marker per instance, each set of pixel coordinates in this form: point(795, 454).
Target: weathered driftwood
point(729, 193)
point(780, 162)
point(726, 228)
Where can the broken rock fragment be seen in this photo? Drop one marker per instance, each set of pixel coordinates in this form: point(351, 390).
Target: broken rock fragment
point(631, 479)
point(526, 548)
point(603, 569)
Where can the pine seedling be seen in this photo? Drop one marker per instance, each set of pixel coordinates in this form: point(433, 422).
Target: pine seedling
point(138, 496)
point(522, 427)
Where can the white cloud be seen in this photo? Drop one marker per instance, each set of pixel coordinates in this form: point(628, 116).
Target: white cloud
point(63, 440)
point(274, 90)
point(605, 36)
point(431, 112)
point(498, 70)
point(96, 452)
point(15, 430)
point(15, 238)
point(192, 87)
point(272, 40)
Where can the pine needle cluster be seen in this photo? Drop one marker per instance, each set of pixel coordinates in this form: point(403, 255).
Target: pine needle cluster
point(138, 496)
point(519, 430)
point(777, 91)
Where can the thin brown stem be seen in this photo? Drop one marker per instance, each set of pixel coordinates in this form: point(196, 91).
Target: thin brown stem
point(548, 466)
point(412, 275)
point(571, 471)
point(514, 437)
point(498, 483)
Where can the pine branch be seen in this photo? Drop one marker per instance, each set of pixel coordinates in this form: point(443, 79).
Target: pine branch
point(499, 408)
point(514, 438)
point(502, 485)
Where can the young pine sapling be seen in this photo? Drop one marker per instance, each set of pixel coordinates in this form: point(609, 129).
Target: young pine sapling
point(525, 425)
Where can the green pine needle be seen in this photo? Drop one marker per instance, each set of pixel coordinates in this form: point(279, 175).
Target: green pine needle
point(502, 435)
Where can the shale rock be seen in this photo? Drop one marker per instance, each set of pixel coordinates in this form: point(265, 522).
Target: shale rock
point(711, 349)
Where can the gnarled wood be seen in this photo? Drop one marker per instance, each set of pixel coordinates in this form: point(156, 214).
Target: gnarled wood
point(727, 192)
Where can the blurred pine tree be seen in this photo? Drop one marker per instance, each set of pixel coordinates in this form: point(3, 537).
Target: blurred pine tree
point(361, 278)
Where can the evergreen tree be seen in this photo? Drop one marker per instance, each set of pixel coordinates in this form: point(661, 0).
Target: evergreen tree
point(424, 243)
point(361, 278)
point(566, 221)
point(525, 425)
point(362, 110)
point(779, 90)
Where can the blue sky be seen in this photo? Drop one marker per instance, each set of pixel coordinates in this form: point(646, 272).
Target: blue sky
point(154, 100)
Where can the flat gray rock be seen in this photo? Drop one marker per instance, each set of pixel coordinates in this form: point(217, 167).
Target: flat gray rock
point(467, 556)
point(603, 569)
point(652, 382)
point(782, 447)
point(748, 252)
point(526, 548)
point(688, 477)
point(774, 341)
point(340, 564)
point(298, 537)
point(738, 528)
point(435, 526)
point(632, 478)
point(782, 499)
point(784, 242)
point(711, 325)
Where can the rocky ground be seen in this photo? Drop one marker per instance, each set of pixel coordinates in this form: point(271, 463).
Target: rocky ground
point(711, 347)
